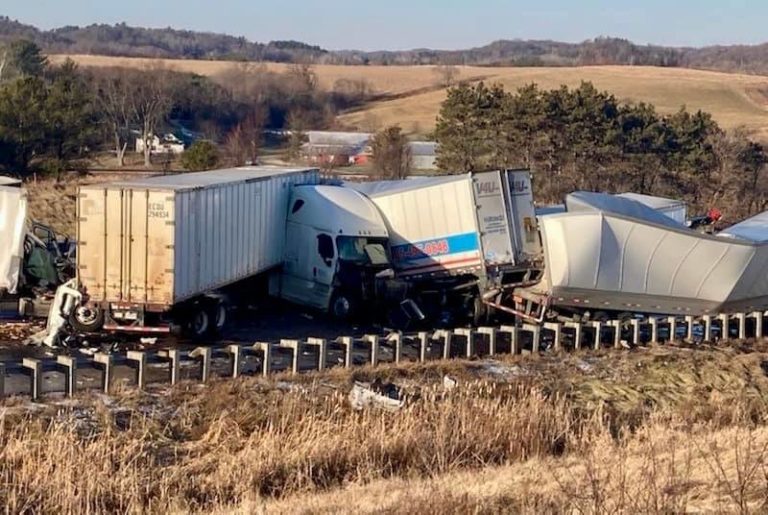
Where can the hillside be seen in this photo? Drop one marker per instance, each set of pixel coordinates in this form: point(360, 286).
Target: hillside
point(168, 43)
point(409, 95)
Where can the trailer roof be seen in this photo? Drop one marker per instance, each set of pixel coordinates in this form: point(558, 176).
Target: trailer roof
point(202, 179)
point(383, 188)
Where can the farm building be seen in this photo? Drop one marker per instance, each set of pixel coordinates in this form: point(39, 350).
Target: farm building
point(423, 155)
point(337, 148)
point(168, 144)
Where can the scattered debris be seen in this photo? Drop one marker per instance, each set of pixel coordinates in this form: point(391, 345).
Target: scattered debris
point(506, 372)
point(386, 396)
point(148, 340)
point(449, 383)
point(584, 366)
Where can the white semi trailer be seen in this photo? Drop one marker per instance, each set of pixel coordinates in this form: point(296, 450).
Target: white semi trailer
point(461, 243)
point(160, 252)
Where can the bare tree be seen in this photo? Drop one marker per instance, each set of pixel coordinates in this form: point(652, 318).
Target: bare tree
point(391, 154)
point(113, 95)
point(297, 125)
point(150, 102)
point(446, 74)
point(243, 143)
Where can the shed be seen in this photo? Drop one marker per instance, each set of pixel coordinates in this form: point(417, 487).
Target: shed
point(423, 155)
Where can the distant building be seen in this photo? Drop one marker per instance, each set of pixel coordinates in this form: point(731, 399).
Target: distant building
point(168, 144)
point(337, 148)
point(423, 155)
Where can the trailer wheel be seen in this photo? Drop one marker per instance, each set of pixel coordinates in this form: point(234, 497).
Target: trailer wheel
point(218, 316)
point(87, 318)
point(199, 322)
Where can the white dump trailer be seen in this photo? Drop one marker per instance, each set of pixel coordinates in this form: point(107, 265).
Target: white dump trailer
point(157, 251)
point(461, 240)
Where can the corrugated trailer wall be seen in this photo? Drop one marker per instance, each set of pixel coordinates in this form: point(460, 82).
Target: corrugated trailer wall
point(159, 244)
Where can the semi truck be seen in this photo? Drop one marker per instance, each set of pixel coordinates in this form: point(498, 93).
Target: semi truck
point(461, 244)
point(168, 253)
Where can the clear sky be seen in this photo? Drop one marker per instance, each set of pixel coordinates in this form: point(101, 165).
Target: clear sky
point(404, 24)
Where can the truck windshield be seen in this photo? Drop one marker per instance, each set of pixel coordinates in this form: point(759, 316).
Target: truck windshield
point(361, 250)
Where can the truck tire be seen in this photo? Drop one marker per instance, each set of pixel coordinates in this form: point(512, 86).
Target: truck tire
point(341, 307)
point(218, 317)
point(199, 322)
point(87, 318)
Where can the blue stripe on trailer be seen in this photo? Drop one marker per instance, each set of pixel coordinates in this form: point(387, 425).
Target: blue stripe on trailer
point(430, 249)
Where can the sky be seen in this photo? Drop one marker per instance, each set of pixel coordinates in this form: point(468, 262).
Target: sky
point(404, 24)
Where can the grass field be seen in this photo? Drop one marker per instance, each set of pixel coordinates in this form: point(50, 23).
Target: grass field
point(411, 98)
point(659, 430)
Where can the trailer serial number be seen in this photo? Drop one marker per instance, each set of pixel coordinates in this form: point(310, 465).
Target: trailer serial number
point(157, 210)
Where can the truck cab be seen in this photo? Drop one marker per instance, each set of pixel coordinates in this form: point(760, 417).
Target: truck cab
point(335, 246)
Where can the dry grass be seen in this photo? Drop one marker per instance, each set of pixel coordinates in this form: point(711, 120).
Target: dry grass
point(734, 99)
point(515, 437)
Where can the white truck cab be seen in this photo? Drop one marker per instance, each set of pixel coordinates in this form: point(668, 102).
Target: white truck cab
point(335, 244)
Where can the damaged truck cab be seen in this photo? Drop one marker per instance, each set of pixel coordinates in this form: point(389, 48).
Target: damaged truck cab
point(335, 246)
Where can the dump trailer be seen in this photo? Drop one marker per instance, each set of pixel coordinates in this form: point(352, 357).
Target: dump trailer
point(462, 243)
point(162, 253)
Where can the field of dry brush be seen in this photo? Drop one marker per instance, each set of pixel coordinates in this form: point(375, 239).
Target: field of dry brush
point(659, 430)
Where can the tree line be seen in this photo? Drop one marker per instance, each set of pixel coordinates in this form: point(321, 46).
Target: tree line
point(53, 118)
point(585, 139)
point(124, 40)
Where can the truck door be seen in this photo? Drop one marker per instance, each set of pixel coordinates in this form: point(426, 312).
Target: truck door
point(522, 215)
point(496, 239)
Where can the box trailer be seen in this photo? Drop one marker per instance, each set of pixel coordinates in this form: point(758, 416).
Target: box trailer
point(461, 240)
point(158, 250)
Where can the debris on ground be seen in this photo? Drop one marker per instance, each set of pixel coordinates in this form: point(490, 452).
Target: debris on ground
point(378, 394)
point(449, 383)
point(503, 371)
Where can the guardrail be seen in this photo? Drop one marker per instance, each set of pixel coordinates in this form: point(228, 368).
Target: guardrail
point(419, 347)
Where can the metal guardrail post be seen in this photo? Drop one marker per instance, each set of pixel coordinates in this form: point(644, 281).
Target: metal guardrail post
point(140, 358)
point(373, 339)
point(36, 380)
point(758, 316)
point(654, 322)
point(447, 337)
point(174, 355)
point(557, 329)
point(349, 343)
point(535, 331)
point(107, 362)
point(635, 323)
point(423, 338)
point(397, 337)
point(724, 325)
point(742, 318)
point(204, 353)
point(672, 321)
point(689, 323)
point(266, 352)
point(707, 327)
point(490, 332)
point(322, 351)
point(294, 346)
point(598, 326)
point(576, 326)
point(616, 325)
point(70, 374)
point(236, 351)
point(514, 339)
point(468, 335)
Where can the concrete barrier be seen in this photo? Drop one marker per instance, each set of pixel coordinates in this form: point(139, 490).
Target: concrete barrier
point(106, 361)
point(265, 348)
point(469, 337)
point(322, 351)
point(514, 338)
point(35, 367)
point(69, 364)
point(490, 333)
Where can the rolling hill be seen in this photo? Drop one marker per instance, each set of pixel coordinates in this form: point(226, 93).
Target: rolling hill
point(409, 95)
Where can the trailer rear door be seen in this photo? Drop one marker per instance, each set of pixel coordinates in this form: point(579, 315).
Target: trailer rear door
point(522, 215)
point(496, 238)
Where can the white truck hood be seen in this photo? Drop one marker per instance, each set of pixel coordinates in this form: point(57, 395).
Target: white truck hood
point(13, 214)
